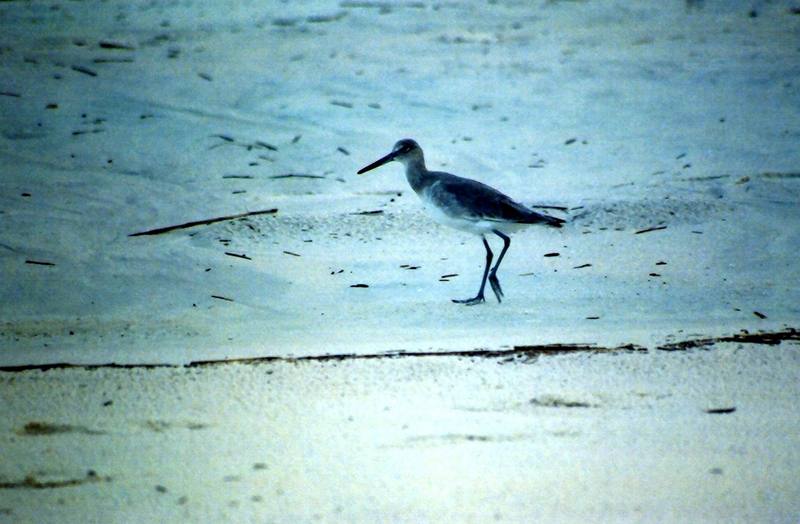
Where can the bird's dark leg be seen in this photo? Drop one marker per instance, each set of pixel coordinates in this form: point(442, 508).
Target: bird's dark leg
point(498, 291)
point(479, 298)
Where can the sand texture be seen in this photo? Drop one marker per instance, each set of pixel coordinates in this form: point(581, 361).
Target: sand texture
point(207, 316)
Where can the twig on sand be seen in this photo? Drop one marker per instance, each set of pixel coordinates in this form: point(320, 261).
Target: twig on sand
point(647, 230)
point(295, 175)
point(39, 262)
point(84, 70)
point(206, 222)
point(557, 208)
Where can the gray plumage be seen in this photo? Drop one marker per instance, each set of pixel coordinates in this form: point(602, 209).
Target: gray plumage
point(465, 204)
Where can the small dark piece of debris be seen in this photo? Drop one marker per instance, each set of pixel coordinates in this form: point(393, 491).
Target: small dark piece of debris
point(39, 262)
point(649, 229)
point(238, 176)
point(375, 212)
point(570, 141)
point(592, 318)
point(112, 60)
point(582, 266)
point(655, 274)
point(296, 139)
point(290, 253)
point(9, 93)
point(295, 175)
point(553, 254)
point(720, 411)
point(205, 76)
point(343, 151)
point(759, 314)
point(238, 255)
point(161, 489)
point(265, 145)
point(339, 103)
point(559, 208)
point(218, 297)
point(359, 285)
point(224, 137)
point(661, 263)
point(84, 70)
point(105, 44)
point(449, 275)
point(47, 428)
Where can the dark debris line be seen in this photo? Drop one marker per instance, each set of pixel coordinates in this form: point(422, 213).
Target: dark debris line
point(525, 352)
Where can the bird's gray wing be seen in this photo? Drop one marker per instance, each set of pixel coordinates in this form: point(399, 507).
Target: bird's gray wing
point(474, 200)
point(469, 199)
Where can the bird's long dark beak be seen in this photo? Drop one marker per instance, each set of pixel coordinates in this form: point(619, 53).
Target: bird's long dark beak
point(378, 163)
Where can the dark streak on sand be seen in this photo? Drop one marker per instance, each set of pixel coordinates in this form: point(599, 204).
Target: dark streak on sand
point(295, 175)
point(238, 255)
point(523, 352)
point(106, 44)
point(39, 263)
point(84, 70)
point(205, 222)
point(721, 411)
point(649, 229)
point(31, 482)
point(770, 339)
point(36, 429)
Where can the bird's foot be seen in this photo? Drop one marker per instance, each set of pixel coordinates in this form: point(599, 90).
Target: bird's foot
point(495, 283)
point(471, 301)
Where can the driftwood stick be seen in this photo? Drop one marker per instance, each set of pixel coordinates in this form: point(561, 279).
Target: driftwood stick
point(160, 230)
point(559, 208)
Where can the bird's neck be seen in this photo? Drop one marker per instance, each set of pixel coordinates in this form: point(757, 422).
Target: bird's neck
point(417, 175)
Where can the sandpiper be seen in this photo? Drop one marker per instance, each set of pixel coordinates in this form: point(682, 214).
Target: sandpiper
point(467, 205)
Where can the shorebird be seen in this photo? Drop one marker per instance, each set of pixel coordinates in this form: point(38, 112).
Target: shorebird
point(467, 205)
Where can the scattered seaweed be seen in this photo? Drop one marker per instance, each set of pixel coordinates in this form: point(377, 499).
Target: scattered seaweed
point(523, 352)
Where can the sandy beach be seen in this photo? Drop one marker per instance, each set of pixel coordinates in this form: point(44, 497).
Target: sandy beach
point(207, 316)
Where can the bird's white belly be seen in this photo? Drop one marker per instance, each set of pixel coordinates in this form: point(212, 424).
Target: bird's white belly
point(477, 227)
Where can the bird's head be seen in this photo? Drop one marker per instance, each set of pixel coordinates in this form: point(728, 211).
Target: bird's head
point(405, 151)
